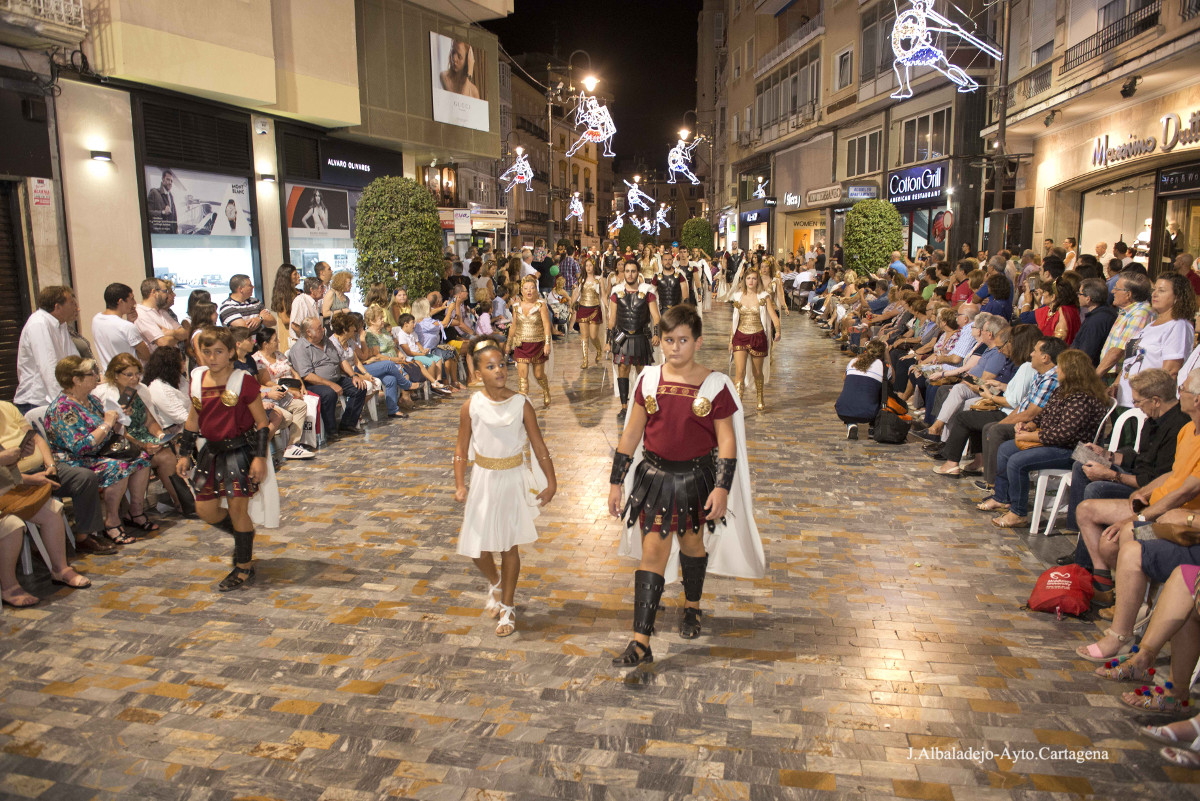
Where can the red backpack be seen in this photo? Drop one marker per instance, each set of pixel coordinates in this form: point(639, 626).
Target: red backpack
point(1065, 589)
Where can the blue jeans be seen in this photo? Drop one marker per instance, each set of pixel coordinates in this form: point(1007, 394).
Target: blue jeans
point(394, 380)
point(1084, 489)
point(1013, 467)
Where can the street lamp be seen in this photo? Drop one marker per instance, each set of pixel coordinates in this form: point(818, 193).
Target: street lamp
point(590, 82)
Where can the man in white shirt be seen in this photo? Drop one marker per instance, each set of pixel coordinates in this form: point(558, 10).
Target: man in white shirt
point(111, 330)
point(304, 306)
point(45, 341)
point(155, 322)
point(527, 263)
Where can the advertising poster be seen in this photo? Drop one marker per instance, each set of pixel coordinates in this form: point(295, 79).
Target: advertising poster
point(197, 203)
point(459, 91)
point(317, 212)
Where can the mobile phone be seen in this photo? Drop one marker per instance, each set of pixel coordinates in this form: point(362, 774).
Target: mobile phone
point(126, 397)
point(27, 439)
point(1138, 506)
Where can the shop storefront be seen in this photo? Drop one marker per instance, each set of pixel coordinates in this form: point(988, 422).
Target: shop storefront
point(1132, 176)
point(801, 177)
point(323, 181)
point(197, 196)
point(920, 195)
point(755, 228)
point(855, 191)
point(472, 228)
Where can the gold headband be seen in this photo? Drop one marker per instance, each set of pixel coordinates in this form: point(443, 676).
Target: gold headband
point(481, 345)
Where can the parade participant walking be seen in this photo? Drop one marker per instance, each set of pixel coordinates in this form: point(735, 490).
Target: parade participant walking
point(755, 324)
point(632, 306)
point(672, 288)
point(684, 410)
point(588, 304)
point(495, 427)
point(227, 411)
point(529, 338)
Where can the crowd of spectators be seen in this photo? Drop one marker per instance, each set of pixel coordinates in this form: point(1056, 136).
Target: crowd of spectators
point(1017, 364)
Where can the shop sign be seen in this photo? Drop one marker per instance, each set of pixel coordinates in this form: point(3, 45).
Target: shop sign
point(197, 203)
point(770, 201)
point(721, 225)
point(828, 194)
point(918, 183)
point(1179, 180)
point(350, 164)
point(862, 192)
point(791, 199)
point(1105, 154)
point(41, 192)
point(756, 216)
point(462, 221)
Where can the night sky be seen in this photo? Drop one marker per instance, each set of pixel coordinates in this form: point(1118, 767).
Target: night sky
point(644, 52)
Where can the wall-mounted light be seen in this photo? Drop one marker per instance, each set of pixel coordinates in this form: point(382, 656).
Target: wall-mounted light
point(950, 190)
point(101, 155)
point(1050, 117)
point(1129, 88)
point(266, 177)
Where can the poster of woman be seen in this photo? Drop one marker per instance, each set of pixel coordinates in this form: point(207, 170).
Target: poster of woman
point(317, 212)
point(459, 85)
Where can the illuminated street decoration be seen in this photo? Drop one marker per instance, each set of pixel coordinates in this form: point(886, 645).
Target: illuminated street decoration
point(635, 197)
point(912, 42)
point(599, 125)
point(660, 219)
point(519, 173)
point(761, 191)
point(616, 225)
point(575, 209)
point(679, 158)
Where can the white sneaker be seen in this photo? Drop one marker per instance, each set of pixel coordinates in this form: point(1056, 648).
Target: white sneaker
point(852, 432)
point(298, 452)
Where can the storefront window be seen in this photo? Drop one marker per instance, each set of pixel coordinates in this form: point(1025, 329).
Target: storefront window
point(1120, 211)
point(320, 224)
point(200, 231)
point(920, 231)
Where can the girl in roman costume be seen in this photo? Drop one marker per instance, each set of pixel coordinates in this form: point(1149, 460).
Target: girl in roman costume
point(690, 513)
point(702, 273)
point(754, 326)
point(721, 287)
point(495, 428)
point(768, 273)
point(529, 338)
point(590, 308)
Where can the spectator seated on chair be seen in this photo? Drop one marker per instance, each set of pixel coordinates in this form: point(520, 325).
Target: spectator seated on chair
point(282, 396)
point(379, 344)
point(1113, 532)
point(994, 364)
point(433, 367)
point(347, 336)
point(81, 433)
point(1046, 442)
point(123, 376)
point(1118, 474)
point(1174, 619)
point(79, 484)
point(1098, 319)
point(319, 364)
point(862, 390)
point(1169, 337)
point(431, 333)
point(15, 494)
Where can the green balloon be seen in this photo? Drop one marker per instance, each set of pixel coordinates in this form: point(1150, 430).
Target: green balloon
point(554, 270)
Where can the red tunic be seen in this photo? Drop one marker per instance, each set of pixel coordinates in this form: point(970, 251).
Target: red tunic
point(218, 421)
point(674, 431)
point(587, 314)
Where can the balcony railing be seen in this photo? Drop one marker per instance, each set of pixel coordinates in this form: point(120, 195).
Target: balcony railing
point(809, 30)
point(1030, 86)
point(1124, 29)
point(528, 126)
point(35, 23)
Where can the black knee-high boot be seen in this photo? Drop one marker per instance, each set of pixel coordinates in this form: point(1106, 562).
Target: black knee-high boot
point(647, 592)
point(693, 569)
point(623, 391)
point(243, 552)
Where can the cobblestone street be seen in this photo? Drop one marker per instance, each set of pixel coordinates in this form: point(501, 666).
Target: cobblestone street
point(360, 664)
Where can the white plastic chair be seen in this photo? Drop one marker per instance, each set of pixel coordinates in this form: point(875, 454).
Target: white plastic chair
point(1063, 476)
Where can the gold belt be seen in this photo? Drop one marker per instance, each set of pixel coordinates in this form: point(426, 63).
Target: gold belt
point(507, 463)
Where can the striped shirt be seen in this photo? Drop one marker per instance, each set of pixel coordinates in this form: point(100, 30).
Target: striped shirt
point(1043, 387)
point(1130, 322)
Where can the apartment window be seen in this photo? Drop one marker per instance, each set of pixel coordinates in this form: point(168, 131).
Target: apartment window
point(925, 137)
point(736, 120)
point(876, 54)
point(750, 52)
point(863, 154)
point(737, 63)
point(587, 180)
point(1042, 54)
point(844, 66)
point(719, 28)
point(721, 123)
point(749, 118)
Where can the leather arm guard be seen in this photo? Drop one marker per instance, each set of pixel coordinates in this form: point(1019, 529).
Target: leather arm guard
point(620, 467)
point(262, 442)
point(187, 443)
point(724, 473)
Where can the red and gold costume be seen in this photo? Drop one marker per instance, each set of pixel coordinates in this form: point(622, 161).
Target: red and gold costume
point(528, 335)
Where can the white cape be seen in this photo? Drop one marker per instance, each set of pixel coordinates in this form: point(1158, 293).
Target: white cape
point(768, 327)
point(735, 547)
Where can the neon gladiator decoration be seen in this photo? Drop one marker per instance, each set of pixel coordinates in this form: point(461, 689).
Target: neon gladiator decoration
point(574, 209)
point(519, 173)
point(635, 197)
point(912, 42)
point(760, 191)
point(600, 126)
point(616, 225)
point(679, 158)
point(660, 219)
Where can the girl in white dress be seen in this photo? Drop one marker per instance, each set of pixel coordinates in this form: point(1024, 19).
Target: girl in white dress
point(508, 487)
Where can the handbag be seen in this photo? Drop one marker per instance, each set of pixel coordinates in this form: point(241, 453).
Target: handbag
point(1024, 445)
point(985, 405)
point(891, 425)
point(24, 500)
point(1178, 533)
point(119, 448)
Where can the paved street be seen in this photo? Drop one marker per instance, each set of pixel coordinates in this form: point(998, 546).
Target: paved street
point(360, 665)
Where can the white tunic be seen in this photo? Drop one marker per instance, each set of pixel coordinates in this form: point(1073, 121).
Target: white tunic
point(501, 504)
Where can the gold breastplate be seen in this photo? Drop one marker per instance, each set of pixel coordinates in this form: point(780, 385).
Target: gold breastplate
point(589, 294)
point(748, 320)
point(648, 271)
point(528, 326)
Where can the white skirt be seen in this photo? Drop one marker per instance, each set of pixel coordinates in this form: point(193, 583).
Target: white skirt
point(498, 513)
